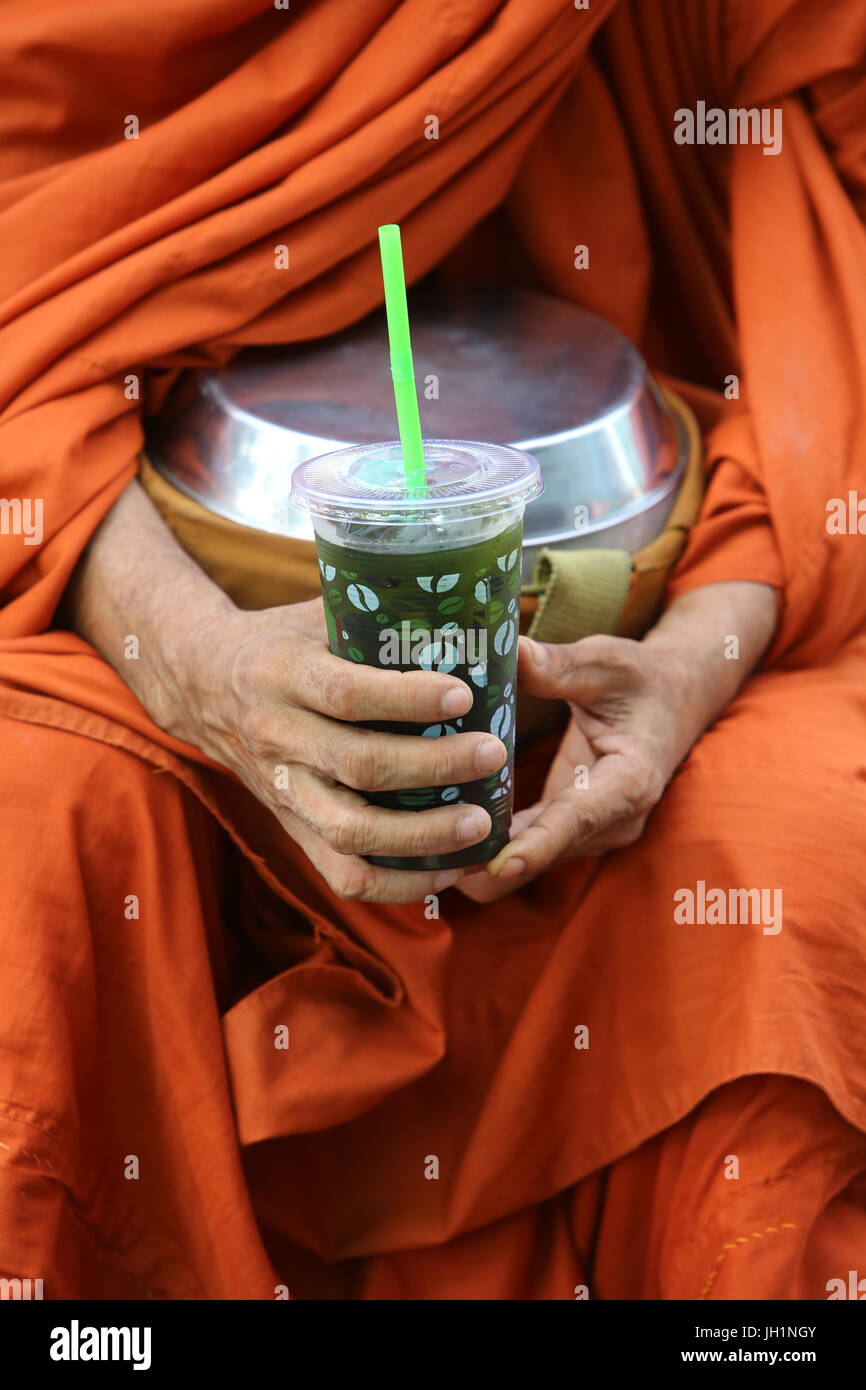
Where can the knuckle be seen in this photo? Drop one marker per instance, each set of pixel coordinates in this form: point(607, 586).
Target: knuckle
point(537, 840)
point(285, 816)
point(360, 765)
point(256, 727)
point(341, 888)
point(597, 645)
point(238, 673)
point(335, 688)
point(355, 885)
point(343, 833)
point(249, 665)
point(616, 653)
point(592, 822)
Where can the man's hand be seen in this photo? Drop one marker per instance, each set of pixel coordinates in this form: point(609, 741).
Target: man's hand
point(636, 710)
point(260, 693)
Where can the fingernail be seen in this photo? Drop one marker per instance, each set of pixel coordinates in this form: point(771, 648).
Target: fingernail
point(472, 826)
point(537, 651)
point(490, 755)
point(446, 879)
point(456, 701)
point(511, 868)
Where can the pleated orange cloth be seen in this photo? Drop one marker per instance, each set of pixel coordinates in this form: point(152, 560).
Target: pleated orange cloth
point(432, 1132)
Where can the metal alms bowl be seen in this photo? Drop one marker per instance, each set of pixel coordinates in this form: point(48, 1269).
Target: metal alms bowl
point(492, 364)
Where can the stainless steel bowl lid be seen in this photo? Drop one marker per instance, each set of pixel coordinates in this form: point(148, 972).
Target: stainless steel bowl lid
point(504, 366)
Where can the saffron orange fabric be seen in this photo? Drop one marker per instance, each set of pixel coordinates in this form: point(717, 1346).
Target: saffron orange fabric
point(156, 927)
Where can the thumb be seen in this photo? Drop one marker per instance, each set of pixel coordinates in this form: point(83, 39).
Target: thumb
point(577, 671)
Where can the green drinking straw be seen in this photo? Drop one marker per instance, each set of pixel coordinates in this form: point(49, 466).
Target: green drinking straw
point(402, 369)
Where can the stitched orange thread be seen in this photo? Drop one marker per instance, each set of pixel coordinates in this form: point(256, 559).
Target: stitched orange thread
point(742, 1240)
point(709, 1284)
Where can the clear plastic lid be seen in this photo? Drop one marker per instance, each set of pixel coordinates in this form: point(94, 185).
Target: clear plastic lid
point(463, 478)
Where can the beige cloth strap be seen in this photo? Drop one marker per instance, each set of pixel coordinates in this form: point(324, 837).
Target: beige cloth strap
point(582, 591)
point(579, 592)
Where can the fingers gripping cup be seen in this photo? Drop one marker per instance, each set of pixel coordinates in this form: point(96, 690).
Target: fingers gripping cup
point(419, 552)
point(427, 577)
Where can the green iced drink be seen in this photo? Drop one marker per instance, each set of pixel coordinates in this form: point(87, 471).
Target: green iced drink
point(429, 582)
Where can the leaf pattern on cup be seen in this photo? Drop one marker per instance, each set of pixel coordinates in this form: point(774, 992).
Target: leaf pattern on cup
point(363, 597)
point(417, 797)
point(439, 656)
point(433, 585)
point(503, 638)
point(501, 721)
point(477, 594)
point(452, 604)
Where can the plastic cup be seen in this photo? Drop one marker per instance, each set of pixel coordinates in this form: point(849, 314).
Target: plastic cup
point(429, 580)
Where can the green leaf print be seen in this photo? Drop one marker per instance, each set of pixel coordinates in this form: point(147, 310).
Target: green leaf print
point(419, 796)
point(453, 604)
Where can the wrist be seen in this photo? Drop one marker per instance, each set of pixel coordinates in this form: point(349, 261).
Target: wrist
point(188, 647)
point(151, 611)
point(712, 639)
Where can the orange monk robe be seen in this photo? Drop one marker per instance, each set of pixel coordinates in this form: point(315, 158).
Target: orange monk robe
point(558, 1166)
